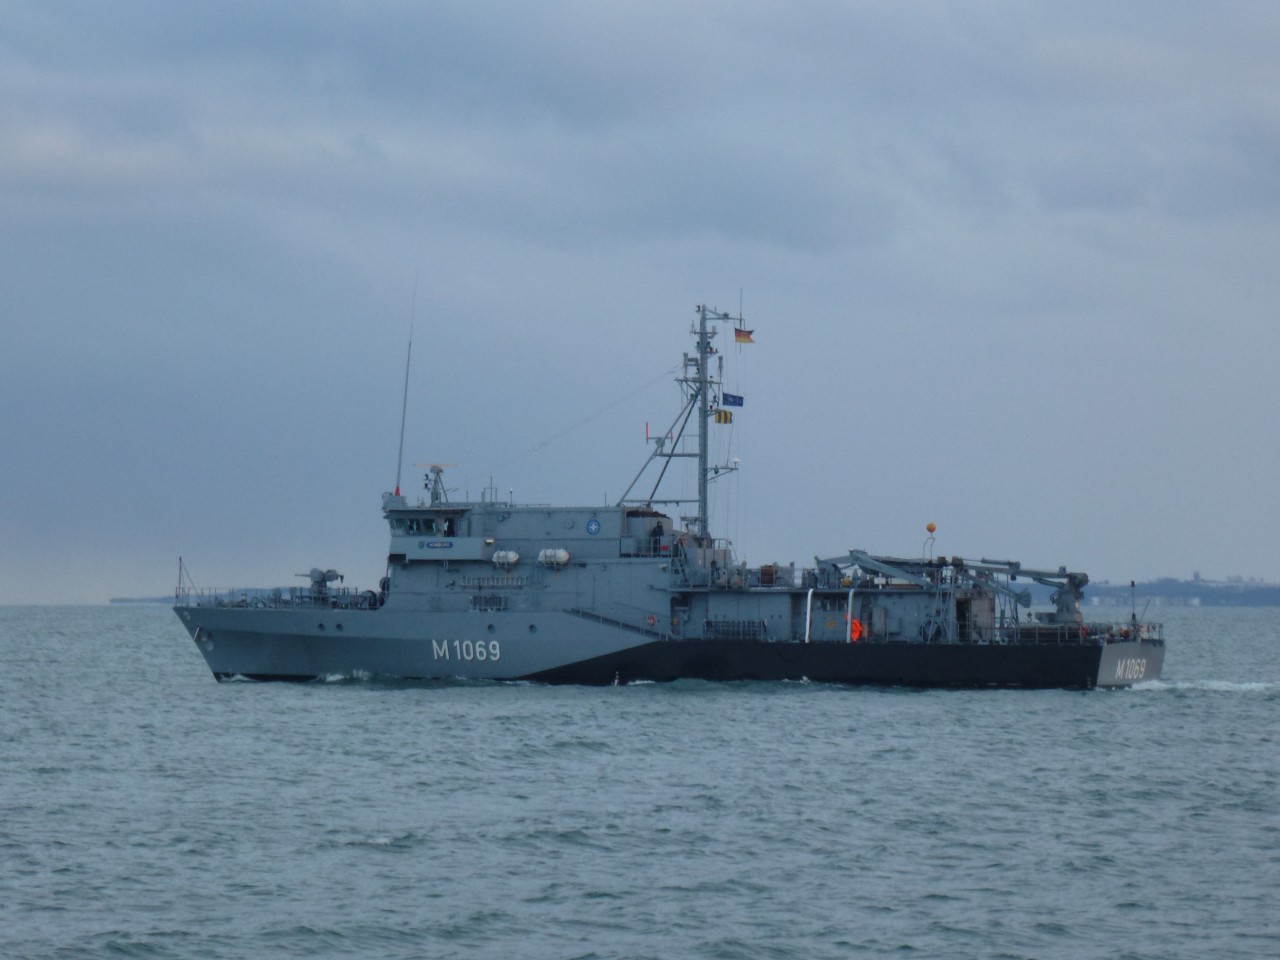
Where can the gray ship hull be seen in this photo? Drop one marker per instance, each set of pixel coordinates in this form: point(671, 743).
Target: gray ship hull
point(315, 644)
point(564, 648)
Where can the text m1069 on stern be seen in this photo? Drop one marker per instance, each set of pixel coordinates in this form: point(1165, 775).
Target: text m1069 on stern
point(1131, 668)
point(466, 650)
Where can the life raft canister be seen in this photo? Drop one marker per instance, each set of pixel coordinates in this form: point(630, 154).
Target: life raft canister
point(855, 629)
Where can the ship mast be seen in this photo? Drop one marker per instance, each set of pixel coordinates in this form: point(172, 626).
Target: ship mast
point(702, 393)
point(701, 397)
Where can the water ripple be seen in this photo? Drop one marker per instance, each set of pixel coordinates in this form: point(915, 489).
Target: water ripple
point(146, 811)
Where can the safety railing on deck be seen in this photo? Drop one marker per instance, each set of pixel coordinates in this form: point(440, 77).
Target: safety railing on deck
point(1019, 634)
point(1093, 632)
point(346, 598)
point(1034, 632)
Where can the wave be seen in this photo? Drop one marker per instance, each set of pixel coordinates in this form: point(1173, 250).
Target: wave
point(356, 676)
point(1211, 686)
point(393, 842)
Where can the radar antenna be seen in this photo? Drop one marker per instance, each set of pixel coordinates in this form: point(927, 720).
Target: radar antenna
point(434, 480)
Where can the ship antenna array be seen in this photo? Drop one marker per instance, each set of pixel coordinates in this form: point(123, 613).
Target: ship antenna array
point(404, 400)
point(698, 383)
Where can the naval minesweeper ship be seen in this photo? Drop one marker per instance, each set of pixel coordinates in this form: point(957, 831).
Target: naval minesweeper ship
point(494, 590)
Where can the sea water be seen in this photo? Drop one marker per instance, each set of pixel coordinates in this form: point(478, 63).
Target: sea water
point(147, 811)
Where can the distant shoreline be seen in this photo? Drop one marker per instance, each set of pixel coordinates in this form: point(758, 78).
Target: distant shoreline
point(1188, 593)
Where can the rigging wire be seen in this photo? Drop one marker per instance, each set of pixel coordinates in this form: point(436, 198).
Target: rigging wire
point(732, 497)
point(579, 424)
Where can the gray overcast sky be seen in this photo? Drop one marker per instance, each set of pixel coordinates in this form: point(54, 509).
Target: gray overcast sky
point(1011, 268)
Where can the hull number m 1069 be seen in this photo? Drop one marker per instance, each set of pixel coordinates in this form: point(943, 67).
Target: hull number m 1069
point(1131, 668)
point(466, 650)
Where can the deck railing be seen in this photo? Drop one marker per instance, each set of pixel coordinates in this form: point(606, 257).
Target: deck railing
point(1022, 634)
point(277, 597)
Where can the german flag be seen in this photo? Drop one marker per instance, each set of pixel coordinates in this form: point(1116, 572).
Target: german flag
point(742, 336)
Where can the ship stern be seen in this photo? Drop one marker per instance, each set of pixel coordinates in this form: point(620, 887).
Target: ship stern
point(1128, 662)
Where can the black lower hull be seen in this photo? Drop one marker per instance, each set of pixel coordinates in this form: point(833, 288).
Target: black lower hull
point(1072, 666)
point(972, 666)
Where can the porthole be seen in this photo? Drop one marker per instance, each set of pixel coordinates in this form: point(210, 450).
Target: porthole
point(492, 628)
point(533, 628)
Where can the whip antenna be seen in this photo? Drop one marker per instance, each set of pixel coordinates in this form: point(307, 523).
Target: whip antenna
point(404, 402)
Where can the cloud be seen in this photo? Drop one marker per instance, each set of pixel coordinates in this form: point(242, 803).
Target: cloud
point(1007, 261)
